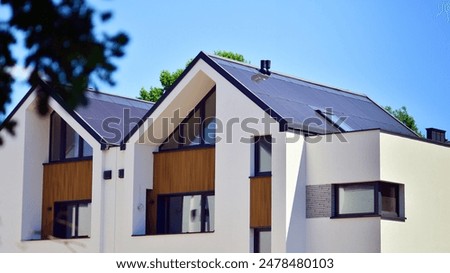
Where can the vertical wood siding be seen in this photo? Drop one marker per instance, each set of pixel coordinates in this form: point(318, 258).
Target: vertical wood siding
point(66, 181)
point(260, 202)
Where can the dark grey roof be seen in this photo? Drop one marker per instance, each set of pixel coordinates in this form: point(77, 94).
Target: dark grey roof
point(297, 101)
point(112, 117)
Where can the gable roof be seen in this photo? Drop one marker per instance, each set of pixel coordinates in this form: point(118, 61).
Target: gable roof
point(293, 102)
point(296, 102)
point(108, 118)
point(111, 116)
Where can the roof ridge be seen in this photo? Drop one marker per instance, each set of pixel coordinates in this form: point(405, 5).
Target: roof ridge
point(118, 96)
point(291, 76)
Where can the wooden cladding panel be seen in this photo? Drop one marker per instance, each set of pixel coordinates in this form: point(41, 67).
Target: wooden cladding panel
point(260, 202)
point(179, 171)
point(184, 171)
point(66, 181)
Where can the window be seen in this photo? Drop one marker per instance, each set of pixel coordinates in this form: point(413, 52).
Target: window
point(198, 128)
point(185, 213)
point(263, 155)
point(369, 199)
point(72, 219)
point(65, 143)
point(262, 240)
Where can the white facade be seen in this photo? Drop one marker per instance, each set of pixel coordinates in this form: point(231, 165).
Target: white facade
point(118, 221)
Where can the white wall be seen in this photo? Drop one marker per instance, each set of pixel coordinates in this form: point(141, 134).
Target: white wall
point(12, 154)
point(142, 170)
point(36, 152)
point(331, 160)
point(350, 235)
point(295, 193)
point(424, 170)
point(288, 192)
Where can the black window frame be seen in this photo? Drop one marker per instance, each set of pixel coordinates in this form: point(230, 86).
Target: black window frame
point(56, 205)
point(63, 143)
point(162, 223)
point(180, 129)
point(257, 155)
point(377, 212)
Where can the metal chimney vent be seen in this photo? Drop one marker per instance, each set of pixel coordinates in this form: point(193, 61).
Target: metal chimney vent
point(265, 67)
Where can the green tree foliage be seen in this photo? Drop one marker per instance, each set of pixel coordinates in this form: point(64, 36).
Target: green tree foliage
point(153, 94)
point(63, 48)
point(168, 78)
point(403, 115)
point(231, 55)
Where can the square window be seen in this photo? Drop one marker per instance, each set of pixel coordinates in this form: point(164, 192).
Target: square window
point(72, 219)
point(356, 199)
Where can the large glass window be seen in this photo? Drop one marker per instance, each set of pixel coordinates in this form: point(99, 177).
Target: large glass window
point(72, 219)
point(65, 143)
point(369, 199)
point(263, 155)
point(185, 213)
point(192, 129)
point(359, 198)
point(199, 127)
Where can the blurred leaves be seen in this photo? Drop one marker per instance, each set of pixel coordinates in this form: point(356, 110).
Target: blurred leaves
point(62, 48)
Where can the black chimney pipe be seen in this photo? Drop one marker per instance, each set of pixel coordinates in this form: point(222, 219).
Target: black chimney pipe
point(265, 67)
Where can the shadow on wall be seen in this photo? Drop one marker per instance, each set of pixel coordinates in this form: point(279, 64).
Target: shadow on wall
point(295, 239)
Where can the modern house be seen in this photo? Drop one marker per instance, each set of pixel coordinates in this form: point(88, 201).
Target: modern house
point(233, 158)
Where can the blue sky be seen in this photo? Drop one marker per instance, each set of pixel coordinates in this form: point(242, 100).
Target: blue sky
point(396, 52)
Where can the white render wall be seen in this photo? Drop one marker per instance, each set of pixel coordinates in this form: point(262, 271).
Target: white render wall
point(424, 169)
point(349, 235)
point(12, 154)
point(330, 160)
point(295, 193)
point(36, 152)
